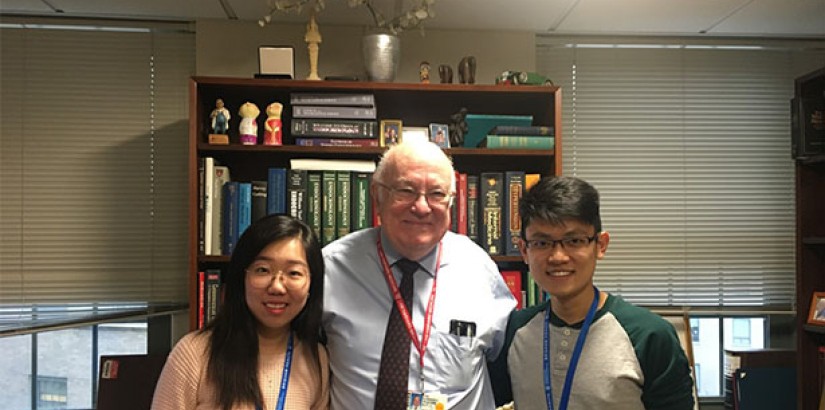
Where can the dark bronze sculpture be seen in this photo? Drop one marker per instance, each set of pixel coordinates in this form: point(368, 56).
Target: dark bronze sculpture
point(458, 127)
point(445, 73)
point(467, 70)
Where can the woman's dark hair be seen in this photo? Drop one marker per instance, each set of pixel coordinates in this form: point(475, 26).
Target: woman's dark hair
point(233, 343)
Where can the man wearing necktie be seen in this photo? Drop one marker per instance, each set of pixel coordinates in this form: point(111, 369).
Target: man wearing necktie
point(413, 311)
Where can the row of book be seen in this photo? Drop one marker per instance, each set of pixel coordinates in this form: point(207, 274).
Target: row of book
point(334, 119)
point(524, 288)
point(519, 137)
point(209, 295)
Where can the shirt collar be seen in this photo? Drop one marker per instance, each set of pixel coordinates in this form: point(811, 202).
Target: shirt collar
point(427, 262)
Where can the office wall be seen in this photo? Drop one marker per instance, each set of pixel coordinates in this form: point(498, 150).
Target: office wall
point(230, 48)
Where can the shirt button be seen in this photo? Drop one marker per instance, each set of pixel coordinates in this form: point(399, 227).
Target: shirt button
point(562, 357)
point(564, 343)
point(567, 332)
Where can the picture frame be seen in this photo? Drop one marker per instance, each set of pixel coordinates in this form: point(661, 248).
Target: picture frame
point(816, 315)
point(391, 132)
point(440, 135)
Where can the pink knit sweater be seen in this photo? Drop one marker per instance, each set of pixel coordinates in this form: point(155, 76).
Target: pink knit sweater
point(183, 384)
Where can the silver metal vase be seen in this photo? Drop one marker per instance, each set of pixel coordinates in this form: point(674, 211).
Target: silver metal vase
point(382, 53)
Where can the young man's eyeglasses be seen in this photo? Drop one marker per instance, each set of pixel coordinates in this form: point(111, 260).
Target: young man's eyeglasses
point(261, 276)
point(406, 195)
point(569, 243)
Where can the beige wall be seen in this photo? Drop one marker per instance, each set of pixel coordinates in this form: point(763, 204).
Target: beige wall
point(230, 48)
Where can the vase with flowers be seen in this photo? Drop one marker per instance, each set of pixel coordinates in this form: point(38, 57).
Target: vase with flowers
point(381, 46)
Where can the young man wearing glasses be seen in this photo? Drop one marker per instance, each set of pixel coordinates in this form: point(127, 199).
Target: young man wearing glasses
point(584, 348)
point(459, 303)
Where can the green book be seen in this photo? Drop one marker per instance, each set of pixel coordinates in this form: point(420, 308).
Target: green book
point(518, 142)
point(328, 206)
point(361, 202)
point(343, 180)
point(314, 199)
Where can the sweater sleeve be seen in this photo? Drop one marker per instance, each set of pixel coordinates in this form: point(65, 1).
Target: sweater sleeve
point(177, 387)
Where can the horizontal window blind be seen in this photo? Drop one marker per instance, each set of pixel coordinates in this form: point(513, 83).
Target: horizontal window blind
point(690, 150)
point(93, 164)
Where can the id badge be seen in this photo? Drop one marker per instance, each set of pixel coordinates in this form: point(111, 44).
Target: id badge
point(426, 401)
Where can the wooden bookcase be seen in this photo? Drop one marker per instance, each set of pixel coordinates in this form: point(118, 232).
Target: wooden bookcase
point(810, 277)
point(414, 104)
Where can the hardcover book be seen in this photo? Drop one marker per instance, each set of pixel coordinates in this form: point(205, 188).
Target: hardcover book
point(491, 197)
point(479, 125)
point(366, 100)
point(314, 202)
point(461, 203)
point(517, 142)
point(513, 280)
point(361, 202)
point(343, 212)
point(523, 130)
point(208, 189)
point(328, 206)
point(297, 193)
point(276, 191)
point(259, 198)
point(244, 207)
point(336, 142)
point(530, 180)
point(318, 111)
point(514, 184)
point(472, 207)
point(230, 216)
point(222, 176)
point(316, 127)
point(315, 164)
point(213, 294)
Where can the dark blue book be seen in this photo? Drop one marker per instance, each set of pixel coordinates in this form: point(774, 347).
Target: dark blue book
point(276, 191)
point(244, 206)
point(230, 217)
point(259, 202)
point(511, 230)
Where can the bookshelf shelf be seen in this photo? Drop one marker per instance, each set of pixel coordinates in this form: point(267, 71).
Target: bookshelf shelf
point(417, 105)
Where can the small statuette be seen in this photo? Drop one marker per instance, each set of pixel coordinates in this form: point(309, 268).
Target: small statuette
point(249, 125)
point(313, 38)
point(445, 73)
point(220, 124)
point(424, 72)
point(272, 126)
point(458, 127)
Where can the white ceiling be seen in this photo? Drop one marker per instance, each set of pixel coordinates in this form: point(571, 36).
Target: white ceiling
point(739, 18)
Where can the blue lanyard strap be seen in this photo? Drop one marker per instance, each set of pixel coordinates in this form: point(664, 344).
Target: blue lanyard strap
point(574, 360)
point(284, 376)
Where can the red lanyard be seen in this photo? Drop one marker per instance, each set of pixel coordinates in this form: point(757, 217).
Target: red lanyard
point(421, 346)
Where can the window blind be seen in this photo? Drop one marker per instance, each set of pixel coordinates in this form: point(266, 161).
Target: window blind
point(689, 146)
point(92, 163)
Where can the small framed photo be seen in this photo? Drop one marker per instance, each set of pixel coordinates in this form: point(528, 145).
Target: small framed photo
point(390, 132)
point(440, 135)
point(817, 313)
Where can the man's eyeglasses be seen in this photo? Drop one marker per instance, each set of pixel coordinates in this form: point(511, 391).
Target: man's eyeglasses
point(261, 276)
point(406, 195)
point(569, 243)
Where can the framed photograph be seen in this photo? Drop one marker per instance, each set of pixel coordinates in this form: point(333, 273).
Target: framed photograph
point(817, 314)
point(390, 132)
point(440, 135)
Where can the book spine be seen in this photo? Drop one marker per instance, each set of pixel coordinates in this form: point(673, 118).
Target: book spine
point(367, 100)
point(492, 204)
point(301, 111)
point(201, 298)
point(201, 205)
point(328, 206)
point(222, 176)
point(514, 184)
point(343, 206)
point(523, 130)
point(276, 191)
point(208, 187)
point(244, 207)
point(230, 216)
point(335, 142)
point(472, 207)
point(518, 142)
point(461, 203)
point(213, 287)
point(454, 208)
point(315, 127)
point(530, 180)
point(314, 201)
point(512, 278)
point(259, 199)
point(361, 203)
point(297, 193)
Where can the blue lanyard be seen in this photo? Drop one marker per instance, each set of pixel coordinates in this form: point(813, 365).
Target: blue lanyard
point(574, 360)
point(284, 376)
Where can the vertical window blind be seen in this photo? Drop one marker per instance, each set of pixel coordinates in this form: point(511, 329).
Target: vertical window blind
point(93, 140)
point(689, 146)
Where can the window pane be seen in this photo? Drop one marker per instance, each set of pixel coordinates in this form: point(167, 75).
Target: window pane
point(706, 355)
point(122, 338)
point(66, 354)
point(744, 332)
point(16, 372)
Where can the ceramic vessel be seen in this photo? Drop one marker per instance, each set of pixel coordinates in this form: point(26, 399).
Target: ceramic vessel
point(382, 53)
